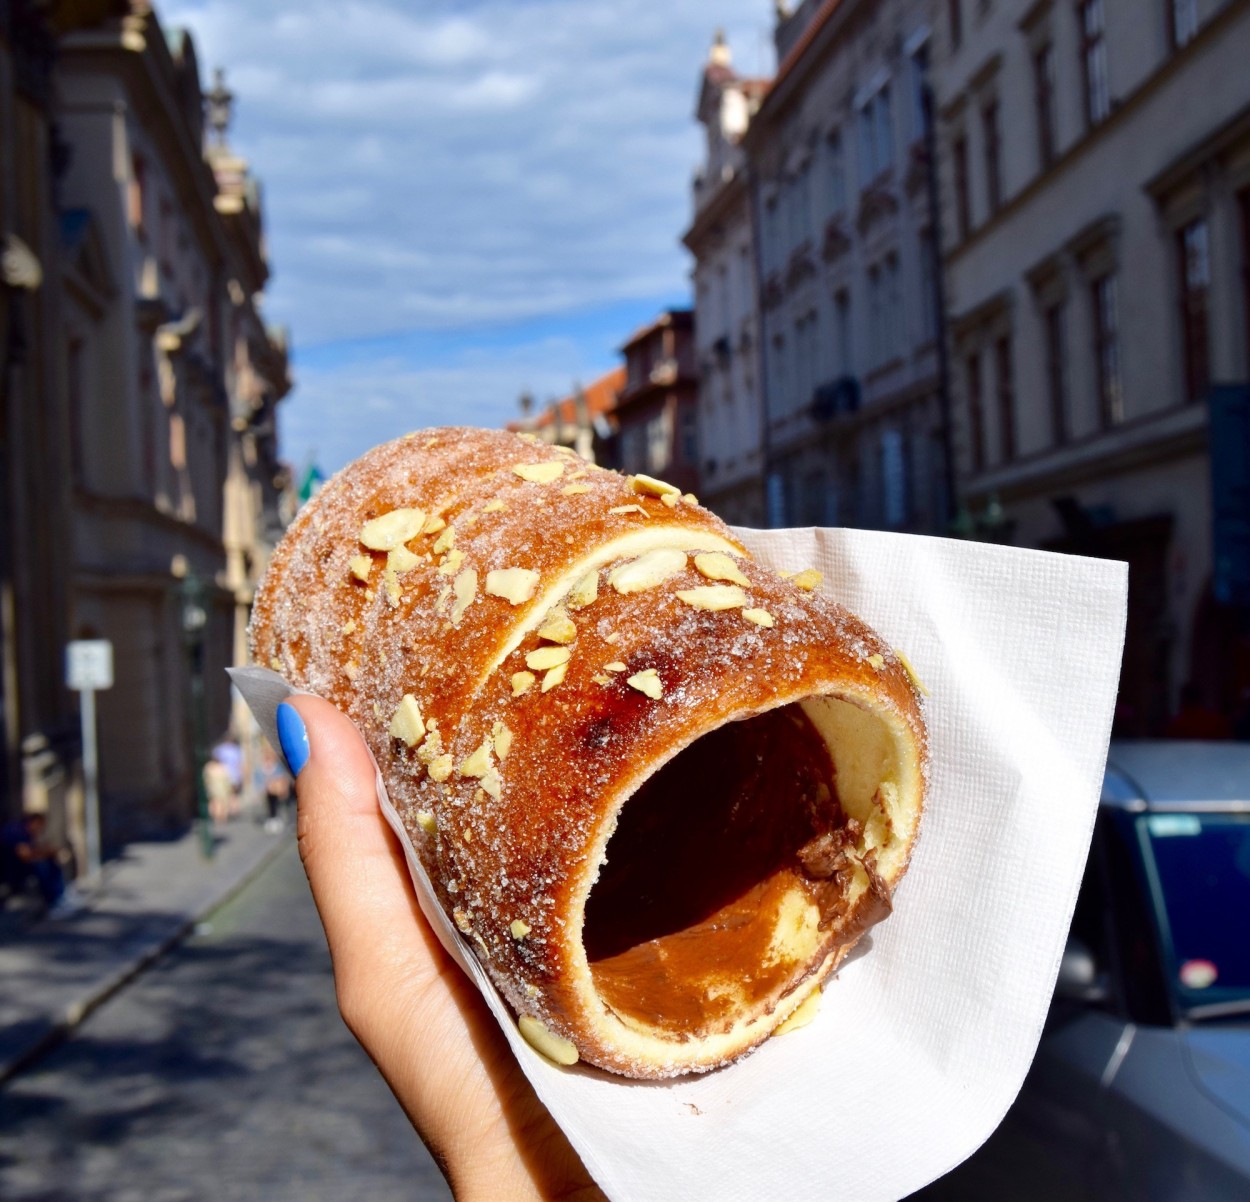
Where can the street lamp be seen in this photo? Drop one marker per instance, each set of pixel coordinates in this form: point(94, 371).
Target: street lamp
point(192, 595)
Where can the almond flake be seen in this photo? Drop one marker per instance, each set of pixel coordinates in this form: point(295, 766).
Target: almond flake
point(479, 763)
point(761, 617)
point(522, 682)
point(629, 509)
point(432, 748)
point(554, 677)
point(434, 525)
point(391, 585)
point(670, 499)
point(514, 585)
point(543, 658)
point(502, 738)
point(361, 566)
point(652, 487)
point(580, 474)
point(584, 591)
point(425, 820)
point(574, 490)
point(519, 928)
point(407, 723)
point(614, 637)
point(528, 437)
point(876, 661)
point(808, 580)
point(690, 498)
point(540, 473)
point(462, 921)
point(601, 679)
point(558, 627)
point(465, 588)
point(495, 506)
point(492, 785)
point(717, 566)
point(648, 682)
point(714, 597)
point(400, 559)
point(349, 626)
point(614, 666)
point(445, 540)
point(392, 529)
point(351, 669)
point(275, 663)
point(451, 562)
point(647, 570)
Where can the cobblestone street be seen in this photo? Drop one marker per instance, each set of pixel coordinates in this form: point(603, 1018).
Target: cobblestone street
point(224, 1072)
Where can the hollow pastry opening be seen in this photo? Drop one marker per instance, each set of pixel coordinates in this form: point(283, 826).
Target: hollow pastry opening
point(731, 865)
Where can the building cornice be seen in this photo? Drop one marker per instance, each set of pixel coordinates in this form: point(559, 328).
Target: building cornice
point(716, 210)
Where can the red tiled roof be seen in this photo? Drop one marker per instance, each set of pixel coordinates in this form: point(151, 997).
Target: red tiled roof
point(600, 397)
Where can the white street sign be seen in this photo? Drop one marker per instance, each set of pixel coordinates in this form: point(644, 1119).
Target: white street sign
point(89, 664)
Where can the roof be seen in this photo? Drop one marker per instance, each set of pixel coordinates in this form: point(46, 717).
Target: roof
point(1165, 773)
point(668, 318)
point(599, 396)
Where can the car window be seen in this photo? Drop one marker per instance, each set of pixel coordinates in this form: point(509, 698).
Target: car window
point(1201, 868)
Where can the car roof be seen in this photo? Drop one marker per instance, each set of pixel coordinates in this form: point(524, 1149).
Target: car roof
point(1177, 773)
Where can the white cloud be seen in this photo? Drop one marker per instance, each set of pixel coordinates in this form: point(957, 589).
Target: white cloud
point(455, 164)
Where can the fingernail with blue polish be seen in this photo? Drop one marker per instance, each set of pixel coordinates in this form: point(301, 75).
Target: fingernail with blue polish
point(293, 737)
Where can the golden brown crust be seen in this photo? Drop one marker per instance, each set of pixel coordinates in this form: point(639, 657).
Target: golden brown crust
point(511, 796)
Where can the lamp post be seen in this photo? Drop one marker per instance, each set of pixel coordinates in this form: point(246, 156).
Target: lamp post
point(191, 594)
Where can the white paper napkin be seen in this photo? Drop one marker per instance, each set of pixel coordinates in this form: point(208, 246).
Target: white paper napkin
point(923, 1039)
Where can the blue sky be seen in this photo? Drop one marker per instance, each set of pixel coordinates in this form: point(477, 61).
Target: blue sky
point(464, 200)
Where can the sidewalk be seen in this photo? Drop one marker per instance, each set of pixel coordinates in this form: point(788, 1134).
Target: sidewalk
point(54, 973)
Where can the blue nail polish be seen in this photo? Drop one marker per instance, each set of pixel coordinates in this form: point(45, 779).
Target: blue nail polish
point(293, 737)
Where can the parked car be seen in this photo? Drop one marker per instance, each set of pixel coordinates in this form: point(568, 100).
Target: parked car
point(1141, 1084)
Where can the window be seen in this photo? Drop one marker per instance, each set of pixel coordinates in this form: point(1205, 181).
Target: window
point(963, 207)
point(1057, 371)
point(884, 121)
point(1094, 62)
point(1182, 21)
point(919, 67)
point(1195, 280)
point(1044, 102)
point(976, 412)
point(1107, 350)
point(689, 433)
point(771, 234)
point(842, 331)
point(837, 173)
point(876, 352)
point(876, 135)
point(928, 286)
point(1004, 391)
point(955, 15)
point(781, 379)
point(893, 479)
point(895, 319)
point(993, 156)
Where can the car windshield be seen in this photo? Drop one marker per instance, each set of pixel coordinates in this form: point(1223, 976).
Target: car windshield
point(1200, 864)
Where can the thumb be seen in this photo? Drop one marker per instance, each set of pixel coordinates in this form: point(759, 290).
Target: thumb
point(355, 866)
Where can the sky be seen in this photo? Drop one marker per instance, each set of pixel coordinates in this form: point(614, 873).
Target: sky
point(464, 200)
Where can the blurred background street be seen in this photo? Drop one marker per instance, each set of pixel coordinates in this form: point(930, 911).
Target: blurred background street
point(224, 1072)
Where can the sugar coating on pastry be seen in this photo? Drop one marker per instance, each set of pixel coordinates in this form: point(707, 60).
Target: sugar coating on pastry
point(659, 789)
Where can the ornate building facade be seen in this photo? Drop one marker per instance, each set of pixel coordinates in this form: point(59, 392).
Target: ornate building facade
point(1096, 187)
point(721, 239)
point(847, 259)
point(167, 383)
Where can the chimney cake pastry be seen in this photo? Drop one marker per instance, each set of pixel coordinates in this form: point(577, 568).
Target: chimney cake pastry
point(660, 789)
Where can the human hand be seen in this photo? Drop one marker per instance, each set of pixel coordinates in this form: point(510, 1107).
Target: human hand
point(414, 1011)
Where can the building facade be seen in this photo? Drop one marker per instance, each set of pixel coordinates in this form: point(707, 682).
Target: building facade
point(847, 255)
point(657, 409)
point(142, 451)
point(1096, 193)
point(721, 239)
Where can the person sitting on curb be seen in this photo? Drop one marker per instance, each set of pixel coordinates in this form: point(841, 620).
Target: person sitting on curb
point(27, 853)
